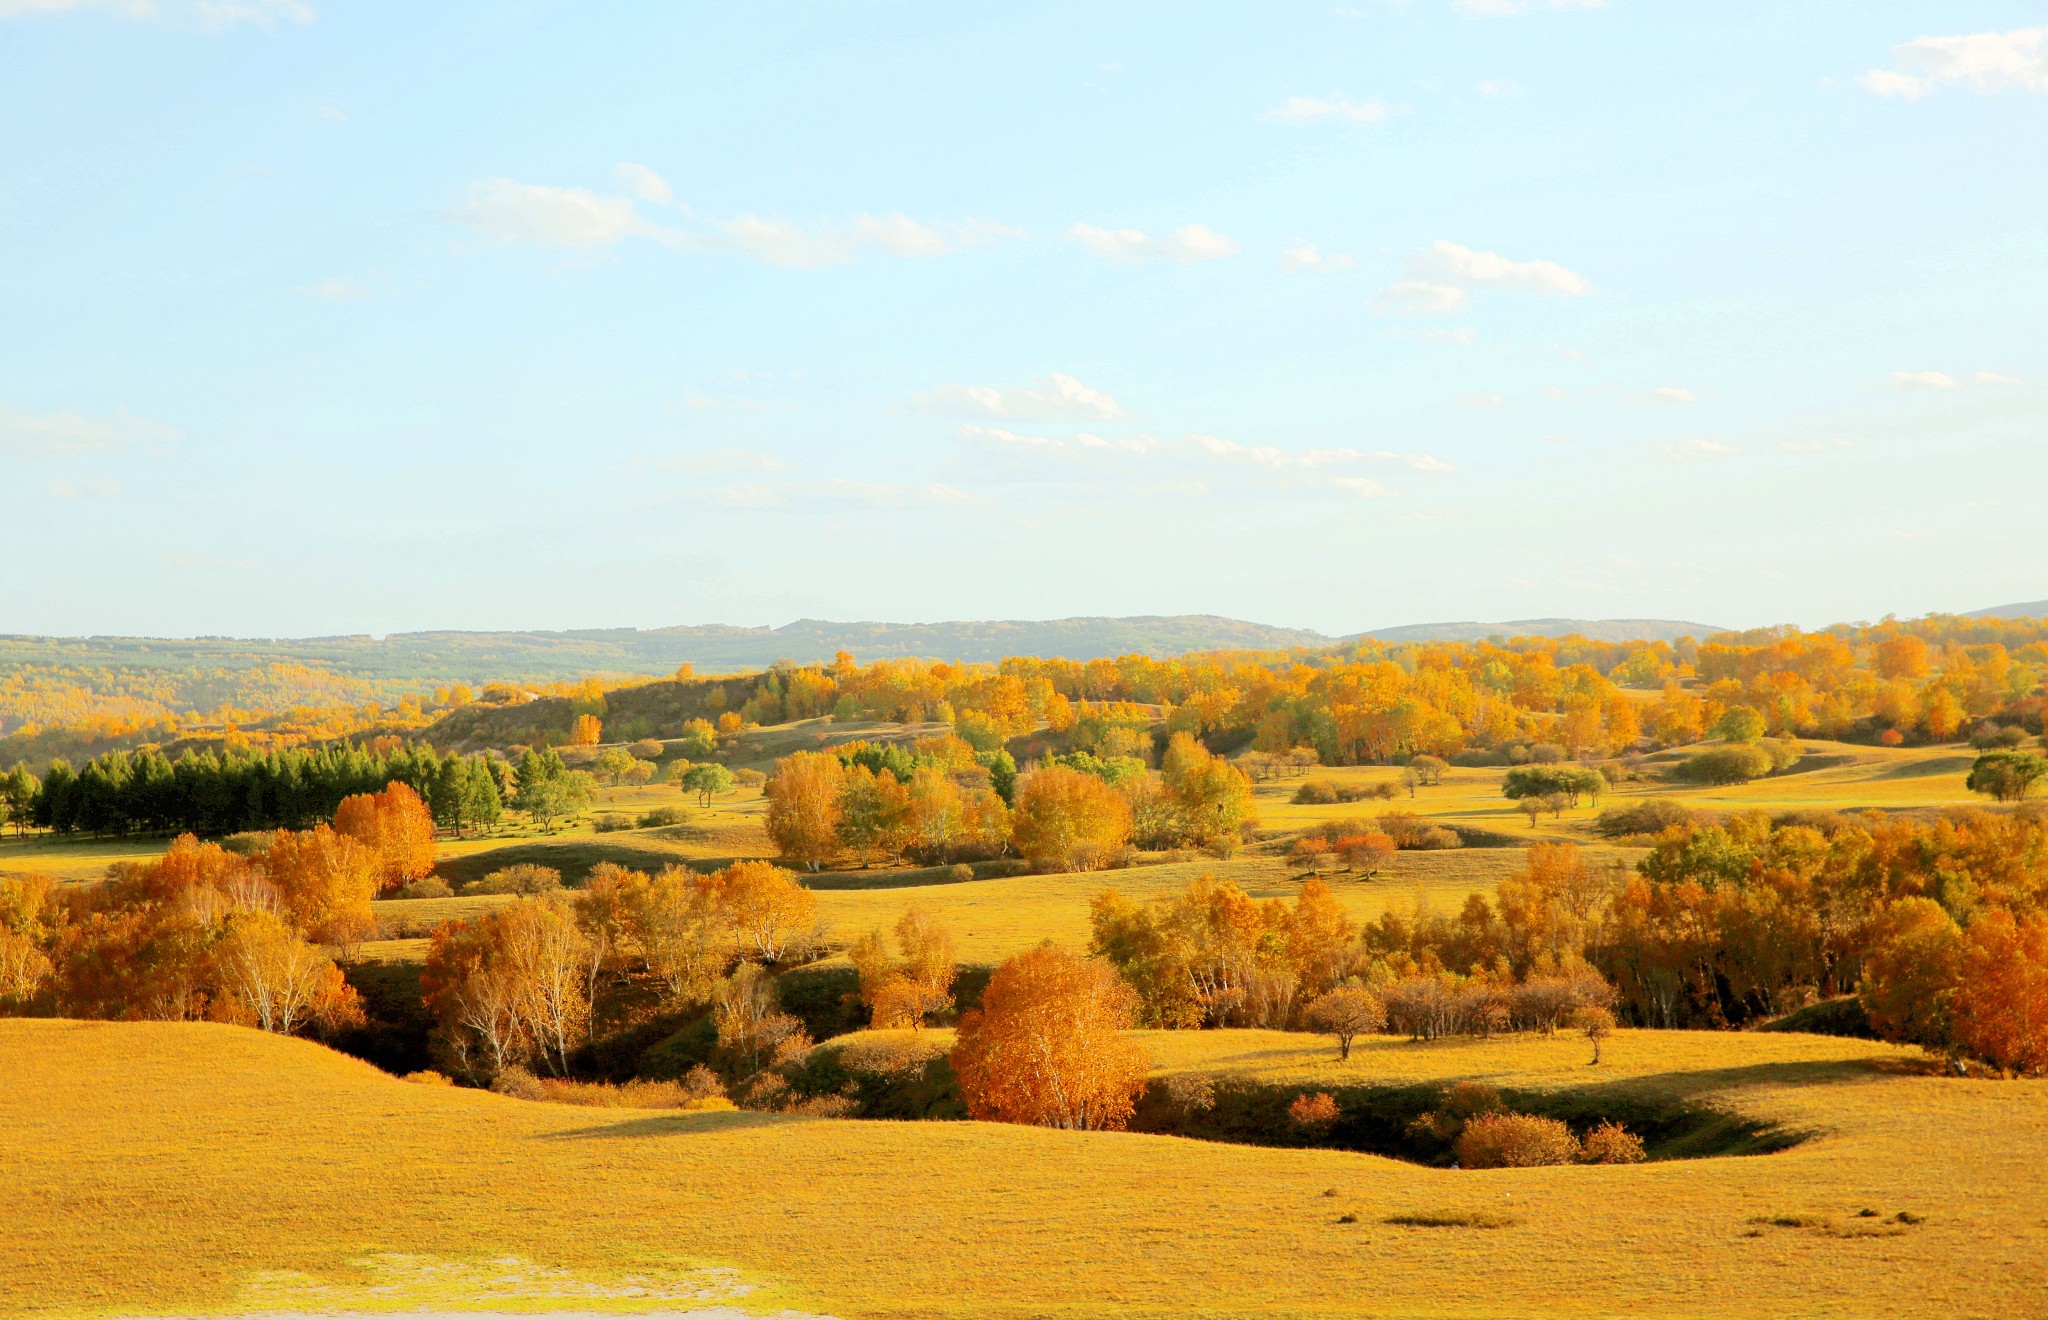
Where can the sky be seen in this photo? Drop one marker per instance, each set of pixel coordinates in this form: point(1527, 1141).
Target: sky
point(328, 317)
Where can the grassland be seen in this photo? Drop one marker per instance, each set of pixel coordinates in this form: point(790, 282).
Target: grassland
point(202, 1169)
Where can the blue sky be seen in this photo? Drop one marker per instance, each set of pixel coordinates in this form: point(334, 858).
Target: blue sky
point(331, 317)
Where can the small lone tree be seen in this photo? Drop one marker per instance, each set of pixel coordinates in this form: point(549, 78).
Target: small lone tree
point(1347, 1012)
point(1597, 1024)
point(1315, 1112)
point(2007, 776)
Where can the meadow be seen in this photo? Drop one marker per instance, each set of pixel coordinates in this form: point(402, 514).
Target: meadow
point(191, 1169)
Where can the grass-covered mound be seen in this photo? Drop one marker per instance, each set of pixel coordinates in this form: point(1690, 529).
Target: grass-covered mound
point(153, 1168)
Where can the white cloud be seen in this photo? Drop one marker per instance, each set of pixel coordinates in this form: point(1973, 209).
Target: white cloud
point(1081, 443)
point(1298, 109)
point(1923, 380)
point(1364, 487)
point(1419, 298)
point(846, 491)
point(1497, 88)
point(1057, 398)
point(514, 212)
point(1464, 335)
point(1995, 378)
point(1458, 264)
point(1306, 256)
point(1488, 399)
point(32, 435)
point(1419, 462)
point(1437, 279)
point(336, 290)
point(644, 183)
point(722, 461)
point(1672, 394)
point(1269, 456)
point(1984, 62)
point(1516, 8)
point(1186, 244)
point(1694, 449)
point(262, 13)
point(216, 14)
point(98, 489)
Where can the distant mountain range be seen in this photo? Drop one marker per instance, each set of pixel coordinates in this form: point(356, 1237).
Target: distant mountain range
point(2032, 609)
point(1599, 630)
point(474, 657)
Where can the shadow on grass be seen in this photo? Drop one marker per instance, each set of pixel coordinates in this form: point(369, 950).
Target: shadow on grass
point(657, 1123)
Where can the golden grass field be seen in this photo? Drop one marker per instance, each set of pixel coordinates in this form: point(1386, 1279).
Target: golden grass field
point(187, 1169)
point(191, 1169)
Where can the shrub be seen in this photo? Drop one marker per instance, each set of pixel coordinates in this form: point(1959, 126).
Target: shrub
point(664, 816)
point(959, 873)
point(1191, 1093)
point(612, 822)
point(1318, 793)
point(518, 1083)
point(1410, 831)
point(1514, 1141)
point(1315, 1112)
point(646, 749)
point(525, 878)
point(1990, 737)
point(249, 843)
point(1611, 1143)
point(1452, 1219)
point(749, 778)
point(1733, 764)
point(427, 1077)
point(1651, 817)
point(427, 886)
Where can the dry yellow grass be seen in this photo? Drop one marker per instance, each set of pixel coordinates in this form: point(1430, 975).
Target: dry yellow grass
point(150, 1167)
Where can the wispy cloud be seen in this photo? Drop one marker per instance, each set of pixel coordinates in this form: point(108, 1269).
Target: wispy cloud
point(1306, 256)
point(1995, 378)
point(1303, 109)
point(1188, 243)
point(543, 215)
point(1923, 380)
point(1516, 8)
point(1465, 335)
point(1694, 449)
point(1672, 394)
point(1495, 89)
point(848, 492)
point(38, 435)
point(336, 290)
point(1057, 398)
point(1984, 62)
point(1484, 399)
point(206, 13)
point(96, 489)
point(1438, 278)
point(1002, 440)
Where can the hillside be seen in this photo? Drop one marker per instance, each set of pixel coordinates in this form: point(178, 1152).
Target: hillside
point(1598, 630)
point(156, 1167)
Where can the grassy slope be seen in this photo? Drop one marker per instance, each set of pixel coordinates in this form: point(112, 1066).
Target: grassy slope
point(151, 1166)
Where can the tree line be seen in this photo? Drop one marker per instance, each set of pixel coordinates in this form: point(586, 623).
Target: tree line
point(209, 794)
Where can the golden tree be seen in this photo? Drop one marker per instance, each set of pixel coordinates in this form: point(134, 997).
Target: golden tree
point(1069, 820)
point(395, 825)
point(770, 914)
point(1049, 1045)
point(803, 807)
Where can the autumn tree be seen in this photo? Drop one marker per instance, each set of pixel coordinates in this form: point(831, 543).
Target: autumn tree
point(1595, 1023)
point(1911, 971)
point(1348, 1012)
point(586, 731)
point(747, 1010)
point(904, 992)
point(2001, 999)
point(804, 805)
point(1069, 821)
point(769, 913)
point(280, 982)
point(1049, 1045)
point(326, 881)
point(396, 826)
point(873, 813)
